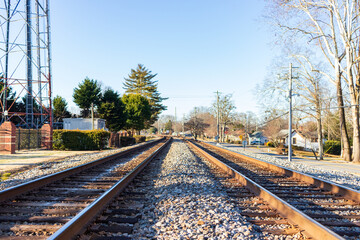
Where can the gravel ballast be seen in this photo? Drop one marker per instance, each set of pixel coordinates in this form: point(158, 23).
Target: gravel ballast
point(189, 203)
point(47, 168)
point(340, 177)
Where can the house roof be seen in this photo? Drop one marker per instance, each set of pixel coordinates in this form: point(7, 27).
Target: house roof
point(283, 133)
point(309, 135)
point(257, 134)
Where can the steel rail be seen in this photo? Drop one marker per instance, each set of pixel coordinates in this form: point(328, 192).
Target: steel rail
point(80, 221)
point(40, 182)
point(311, 227)
point(334, 188)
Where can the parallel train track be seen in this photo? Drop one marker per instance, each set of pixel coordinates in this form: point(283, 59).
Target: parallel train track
point(279, 201)
point(323, 210)
point(40, 208)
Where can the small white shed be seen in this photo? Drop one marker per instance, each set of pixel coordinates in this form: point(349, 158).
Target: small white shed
point(83, 123)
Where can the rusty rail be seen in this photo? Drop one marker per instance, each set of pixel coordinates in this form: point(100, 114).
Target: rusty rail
point(80, 221)
point(40, 182)
point(311, 227)
point(342, 191)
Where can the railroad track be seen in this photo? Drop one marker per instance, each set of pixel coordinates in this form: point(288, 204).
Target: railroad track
point(120, 220)
point(317, 208)
point(117, 221)
point(62, 203)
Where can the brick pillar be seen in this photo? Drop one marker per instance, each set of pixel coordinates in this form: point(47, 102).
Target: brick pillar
point(7, 137)
point(117, 140)
point(114, 138)
point(47, 136)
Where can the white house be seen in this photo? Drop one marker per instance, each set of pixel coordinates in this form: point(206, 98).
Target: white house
point(307, 140)
point(257, 138)
point(83, 123)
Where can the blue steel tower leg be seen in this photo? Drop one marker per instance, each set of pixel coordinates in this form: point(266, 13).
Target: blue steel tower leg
point(29, 97)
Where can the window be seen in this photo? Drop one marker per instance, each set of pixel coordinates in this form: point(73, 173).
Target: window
point(294, 140)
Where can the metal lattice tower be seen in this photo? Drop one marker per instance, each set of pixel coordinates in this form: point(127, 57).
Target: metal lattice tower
point(25, 62)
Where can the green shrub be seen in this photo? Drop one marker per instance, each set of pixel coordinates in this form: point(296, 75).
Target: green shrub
point(140, 139)
point(126, 141)
point(332, 147)
point(270, 144)
point(5, 176)
point(80, 140)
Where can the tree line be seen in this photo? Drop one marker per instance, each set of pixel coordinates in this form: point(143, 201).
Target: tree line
point(204, 121)
point(321, 39)
point(138, 108)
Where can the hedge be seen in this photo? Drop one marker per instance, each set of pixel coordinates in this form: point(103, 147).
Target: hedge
point(332, 147)
point(80, 140)
point(126, 141)
point(270, 144)
point(140, 139)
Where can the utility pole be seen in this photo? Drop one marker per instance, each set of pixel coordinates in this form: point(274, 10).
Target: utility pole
point(183, 124)
point(217, 116)
point(92, 116)
point(290, 113)
point(290, 78)
point(246, 129)
point(175, 122)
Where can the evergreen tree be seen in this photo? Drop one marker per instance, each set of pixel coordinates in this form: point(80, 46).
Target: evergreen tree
point(169, 126)
point(10, 94)
point(88, 92)
point(138, 111)
point(112, 109)
point(11, 105)
point(60, 109)
point(141, 81)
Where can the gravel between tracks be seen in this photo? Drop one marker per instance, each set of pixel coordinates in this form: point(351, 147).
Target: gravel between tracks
point(344, 178)
point(55, 166)
point(189, 203)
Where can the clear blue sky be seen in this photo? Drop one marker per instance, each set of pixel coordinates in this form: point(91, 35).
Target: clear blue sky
point(196, 47)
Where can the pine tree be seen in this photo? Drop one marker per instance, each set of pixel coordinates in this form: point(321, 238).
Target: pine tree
point(138, 111)
point(141, 81)
point(60, 109)
point(10, 101)
point(88, 92)
point(112, 109)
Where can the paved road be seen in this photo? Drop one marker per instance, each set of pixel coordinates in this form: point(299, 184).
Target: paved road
point(329, 163)
point(27, 158)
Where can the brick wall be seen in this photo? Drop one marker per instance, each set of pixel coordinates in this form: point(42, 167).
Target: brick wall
point(47, 136)
point(7, 138)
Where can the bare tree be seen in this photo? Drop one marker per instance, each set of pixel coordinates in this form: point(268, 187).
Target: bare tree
point(196, 124)
point(273, 124)
point(332, 25)
point(226, 110)
point(310, 86)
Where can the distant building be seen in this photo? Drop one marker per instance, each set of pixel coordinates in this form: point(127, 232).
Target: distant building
point(306, 140)
point(83, 123)
point(257, 138)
